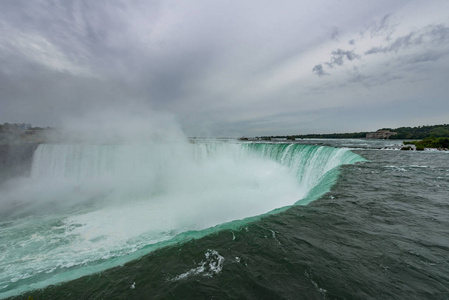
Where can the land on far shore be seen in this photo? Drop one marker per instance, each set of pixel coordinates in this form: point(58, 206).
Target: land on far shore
point(401, 133)
point(24, 132)
point(19, 133)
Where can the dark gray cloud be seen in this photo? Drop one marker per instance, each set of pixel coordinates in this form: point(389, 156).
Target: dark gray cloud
point(382, 28)
point(339, 56)
point(369, 81)
point(396, 45)
point(335, 33)
point(318, 69)
point(436, 36)
point(430, 35)
point(430, 56)
point(222, 68)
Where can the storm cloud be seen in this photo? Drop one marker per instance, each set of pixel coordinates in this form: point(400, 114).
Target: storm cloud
point(224, 68)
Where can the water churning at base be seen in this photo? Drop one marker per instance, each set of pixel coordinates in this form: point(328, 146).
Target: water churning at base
point(86, 208)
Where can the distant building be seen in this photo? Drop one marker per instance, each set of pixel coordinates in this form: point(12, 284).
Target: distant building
point(380, 134)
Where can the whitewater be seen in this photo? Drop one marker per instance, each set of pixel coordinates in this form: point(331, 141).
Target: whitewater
point(86, 208)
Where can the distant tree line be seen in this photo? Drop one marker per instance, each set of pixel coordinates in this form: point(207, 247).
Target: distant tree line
point(430, 142)
point(403, 133)
point(5, 127)
point(420, 132)
point(11, 127)
point(354, 135)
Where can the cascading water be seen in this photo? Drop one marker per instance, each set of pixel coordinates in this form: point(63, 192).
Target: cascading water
point(86, 208)
point(314, 167)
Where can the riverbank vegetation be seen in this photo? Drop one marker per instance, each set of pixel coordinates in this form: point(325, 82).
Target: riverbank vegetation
point(420, 132)
point(430, 142)
point(402, 133)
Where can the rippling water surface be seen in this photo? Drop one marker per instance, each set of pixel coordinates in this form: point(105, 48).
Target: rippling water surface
point(381, 232)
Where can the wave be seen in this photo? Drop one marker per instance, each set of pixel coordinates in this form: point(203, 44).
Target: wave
point(86, 208)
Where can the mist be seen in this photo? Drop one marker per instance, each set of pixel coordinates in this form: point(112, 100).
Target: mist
point(115, 187)
point(121, 126)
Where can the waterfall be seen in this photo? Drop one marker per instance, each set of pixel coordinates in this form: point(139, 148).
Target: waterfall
point(86, 208)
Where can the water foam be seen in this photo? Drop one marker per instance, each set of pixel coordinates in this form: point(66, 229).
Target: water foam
point(209, 268)
point(90, 207)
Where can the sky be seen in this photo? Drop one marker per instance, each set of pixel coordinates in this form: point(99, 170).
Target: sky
point(226, 68)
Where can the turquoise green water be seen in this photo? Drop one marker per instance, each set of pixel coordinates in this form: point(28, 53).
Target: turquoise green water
point(88, 208)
